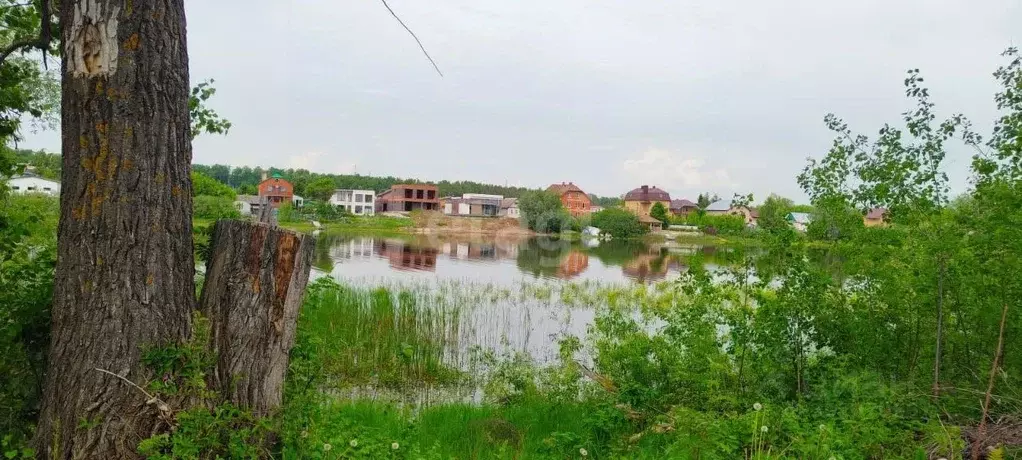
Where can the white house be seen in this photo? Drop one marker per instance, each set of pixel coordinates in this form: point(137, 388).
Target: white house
point(509, 208)
point(33, 184)
point(247, 204)
point(799, 220)
point(357, 202)
point(297, 201)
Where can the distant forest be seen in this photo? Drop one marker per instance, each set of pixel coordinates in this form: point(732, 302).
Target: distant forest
point(244, 179)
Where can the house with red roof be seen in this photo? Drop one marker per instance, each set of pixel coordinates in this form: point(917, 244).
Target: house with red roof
point(573, 198)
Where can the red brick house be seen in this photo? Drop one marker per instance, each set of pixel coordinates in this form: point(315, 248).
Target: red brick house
point(408, 197)
point(573, 198)
point(276, 190)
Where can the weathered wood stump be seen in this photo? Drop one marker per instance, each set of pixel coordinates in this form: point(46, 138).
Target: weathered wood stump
point(255, 280)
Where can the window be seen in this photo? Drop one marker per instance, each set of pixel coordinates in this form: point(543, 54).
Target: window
point(16, 187)
point(32, 188)
point(358, 210)
point(358, 198)
point(46, 189)
point(269, 188)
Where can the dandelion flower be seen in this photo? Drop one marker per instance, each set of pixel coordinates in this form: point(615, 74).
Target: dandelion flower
point(757, 406)
point(353, 443)
point(583, 452)
point(327, 446)
point(764, 428)
point(395, 446)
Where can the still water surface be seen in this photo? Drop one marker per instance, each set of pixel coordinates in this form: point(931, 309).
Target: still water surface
point(364, 259)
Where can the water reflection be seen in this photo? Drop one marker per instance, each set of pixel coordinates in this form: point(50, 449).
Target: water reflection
point(503, 260)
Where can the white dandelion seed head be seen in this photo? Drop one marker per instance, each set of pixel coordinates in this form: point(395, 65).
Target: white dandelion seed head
point(327, 447)
point(395, 446)
point(353, 443)
point(757, 406)
point(764, 428)
point(583, 452)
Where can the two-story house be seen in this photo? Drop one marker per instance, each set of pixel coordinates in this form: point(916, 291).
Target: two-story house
point(357, 202)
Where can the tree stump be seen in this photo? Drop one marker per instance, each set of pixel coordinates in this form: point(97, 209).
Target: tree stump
point(255, 280)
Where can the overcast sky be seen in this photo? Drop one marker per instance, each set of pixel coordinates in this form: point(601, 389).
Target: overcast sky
point(724, 96)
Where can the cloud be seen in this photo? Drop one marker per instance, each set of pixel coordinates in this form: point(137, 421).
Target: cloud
point(671, 170)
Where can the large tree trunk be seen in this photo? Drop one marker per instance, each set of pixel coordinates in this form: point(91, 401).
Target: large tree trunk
point(125, 270)
point(255, 280)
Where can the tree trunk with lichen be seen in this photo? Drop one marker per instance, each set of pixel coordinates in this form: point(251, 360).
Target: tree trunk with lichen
point(255, 279)
point(125, 269)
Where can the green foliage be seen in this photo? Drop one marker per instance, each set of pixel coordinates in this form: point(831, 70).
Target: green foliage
point(44, 164)
point(214, 207)
point(773, 213)
point(659, 212)
point(288, 213)
point(205, 185)
point(204, 119)
point(222, 432)
point(320, 188)
point(27, 260)
point(619, 223)
point(543, 212)
point(715, 224)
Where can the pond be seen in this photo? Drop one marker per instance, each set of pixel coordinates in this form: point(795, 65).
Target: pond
point(506, 261)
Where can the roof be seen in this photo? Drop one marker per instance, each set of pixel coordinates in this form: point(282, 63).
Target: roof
point(564, 187)
point(646, 193)
point(277, 175)
point(719, 205)
point(876, 213)
point(649, 220)
point(509, 203)
point(250, 199)
point(800, 217)
point(683, 203)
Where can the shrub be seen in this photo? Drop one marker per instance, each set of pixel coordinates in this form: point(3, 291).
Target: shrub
point(619, 223)
point(205, 185)
point(214, 207)
point(543, 212)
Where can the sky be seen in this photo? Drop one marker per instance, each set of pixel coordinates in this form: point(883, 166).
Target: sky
point(725, 96)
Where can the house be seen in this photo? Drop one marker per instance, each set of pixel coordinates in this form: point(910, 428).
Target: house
point(725, 208)
point(799, 220)
point(653, 224)
point(247, 205)
point(276, 190)
point(473, 204)
point(718, 208)
point(357, 202)
point(683, 207)
point(595, 209)
point(31, 183)
point(408, 197)
point(875, 217)
point(509, 208)
point(641, 200)
point(573, 198)
point(297, 201)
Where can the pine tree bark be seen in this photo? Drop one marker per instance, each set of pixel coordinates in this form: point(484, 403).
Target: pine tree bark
point(125, 270)
point(255, 279)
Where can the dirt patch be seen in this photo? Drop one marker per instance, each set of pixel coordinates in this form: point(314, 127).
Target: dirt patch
point(434, 223)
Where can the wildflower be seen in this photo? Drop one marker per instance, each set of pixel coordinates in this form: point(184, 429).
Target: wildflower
point(823, 427)
point(327, 446)
point(353, 443)
point(583, 452)
point(305, 434)
point(764, 428)
point(757, 406)
point(395, 446)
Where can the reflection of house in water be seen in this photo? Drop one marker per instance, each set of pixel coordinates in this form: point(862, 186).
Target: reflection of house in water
point(355, 248)
point(653, 266)
point(573, 265)
point(405, 256)
point(478, 250)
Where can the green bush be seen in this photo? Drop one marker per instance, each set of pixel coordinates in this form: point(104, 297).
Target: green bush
point(214, 207)
point(619, 223)
point(205, 185)
point(714, 224)
point(543, 212)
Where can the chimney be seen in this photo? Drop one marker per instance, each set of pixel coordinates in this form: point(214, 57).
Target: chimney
point(264, 175)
